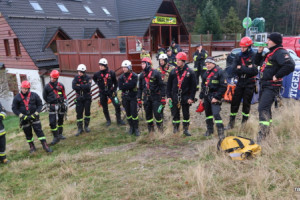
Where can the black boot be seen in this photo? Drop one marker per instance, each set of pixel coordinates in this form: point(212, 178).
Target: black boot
point(186, 129)
point(107, 117)
point(160, 127)
point(60, 133)
point(55, 138)
point(221, 131)
point(244, 119)
point(210, 127)
point(150, 127)
point(175, 127)
point(86, 125)
point(46, 147)
point(136, 127)
point(80, 130)
point(231, 123)
point(131, 127)
point(263, 132)
point(32, 147)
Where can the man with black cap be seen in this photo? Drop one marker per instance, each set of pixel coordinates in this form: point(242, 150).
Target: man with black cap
point(171, 58)
point(152, 92)
point(213, 88)
point(276, 64)
point(108, 84)
point(128, 85)
point(82, 84)
point(160, 50)
point(181, 90)
point(246, 71)
point(175, 48)
point(199, 65)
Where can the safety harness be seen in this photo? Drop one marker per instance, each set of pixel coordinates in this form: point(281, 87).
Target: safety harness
point(127, 79)
point(263, 67)
point(56, 92)
point(147, 79)
point(210, 74)
point(26, 101)
point(252, 79)
point(179, 84)
point(81, 83)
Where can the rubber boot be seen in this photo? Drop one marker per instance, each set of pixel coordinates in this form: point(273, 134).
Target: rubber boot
point(221, 131)
point(46, 147)
point(120, 122)
point(60, 133)
point(160, 127)
point(231, 123)
point(55, 138)
point(263, 132)
point(32, 147)
point(186, 129)
point(210, 127)
point(150, 127)
point(131, 127)
point(244, 119)
point(86, 125)
point(136, 127)
point(80, 130)
point(107, 117)
point(175, 127)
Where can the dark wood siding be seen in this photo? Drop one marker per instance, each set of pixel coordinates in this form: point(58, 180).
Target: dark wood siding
point(22, 61)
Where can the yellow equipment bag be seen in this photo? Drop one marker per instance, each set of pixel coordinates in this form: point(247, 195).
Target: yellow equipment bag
point(239, 148)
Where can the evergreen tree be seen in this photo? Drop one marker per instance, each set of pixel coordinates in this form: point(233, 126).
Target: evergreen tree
point(198, 23)
point(211, 20)
point(232, 24)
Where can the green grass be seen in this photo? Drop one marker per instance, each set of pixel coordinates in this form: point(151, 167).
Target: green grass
point(110, 164)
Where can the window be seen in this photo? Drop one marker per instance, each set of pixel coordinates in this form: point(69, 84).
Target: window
point(17, 47)
point(106, 11)
point(7, 49)
point(62, 7)
point(88, 9)
point(12, 83)
point(36, 6)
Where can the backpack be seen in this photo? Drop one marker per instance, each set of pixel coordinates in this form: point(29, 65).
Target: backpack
point(239, 148)
point(229, 93)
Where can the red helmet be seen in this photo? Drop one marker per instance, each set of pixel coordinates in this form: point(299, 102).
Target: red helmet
point(146, 59)
point(54, 74)
point(246, 42)
point(25, 84)
point(181, 56)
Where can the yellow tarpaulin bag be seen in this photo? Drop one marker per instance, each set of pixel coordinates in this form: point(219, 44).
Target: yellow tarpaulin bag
point(239, 148)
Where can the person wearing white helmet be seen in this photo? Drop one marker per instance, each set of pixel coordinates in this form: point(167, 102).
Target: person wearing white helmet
point(108, 85)
point(164, 68)
point(128, 85)
point(82, 84)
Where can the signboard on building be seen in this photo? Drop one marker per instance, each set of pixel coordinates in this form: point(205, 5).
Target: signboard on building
point(164, 20)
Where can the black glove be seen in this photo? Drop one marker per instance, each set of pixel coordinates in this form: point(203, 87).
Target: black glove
point(35, 116)
point(23, 117)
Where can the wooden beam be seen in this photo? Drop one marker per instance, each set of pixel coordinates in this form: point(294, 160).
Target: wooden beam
point(160, 39)
point(170, 34)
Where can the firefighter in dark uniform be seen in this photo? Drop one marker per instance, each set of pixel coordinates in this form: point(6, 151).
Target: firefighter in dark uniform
point(128, 85)
point(199, 65)
point(108, 84)
point(82, 85)
point(55, 96)
point(3, 158)
point(160, 51)
point(276, 64)
point(27, 105)
point(151, 84)
point(175, 48)
point(171, 58)
point(213, 87)
point(165, 69)
point(181, 90)
point(246, 71)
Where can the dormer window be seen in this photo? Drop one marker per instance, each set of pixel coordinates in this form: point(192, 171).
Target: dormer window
point(36, 6)
point(87, 8)
point(106, 11)
point(62, 7)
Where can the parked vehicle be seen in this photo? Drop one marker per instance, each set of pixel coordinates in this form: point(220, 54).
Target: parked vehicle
point(292, 43)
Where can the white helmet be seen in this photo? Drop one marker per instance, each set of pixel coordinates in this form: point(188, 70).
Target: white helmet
point(103, 61)
point(127, 63)
point(163, 56)
point(81, 67)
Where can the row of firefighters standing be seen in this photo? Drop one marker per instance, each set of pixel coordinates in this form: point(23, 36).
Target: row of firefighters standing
point(175, 85)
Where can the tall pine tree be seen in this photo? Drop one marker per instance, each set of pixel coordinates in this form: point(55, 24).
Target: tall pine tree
point(198, 23)
point(211, 20)
point(232, 23)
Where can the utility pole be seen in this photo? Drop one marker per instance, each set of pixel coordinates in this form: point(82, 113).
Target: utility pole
point(247, 29)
